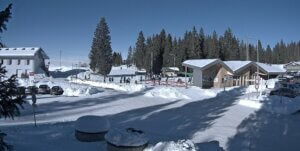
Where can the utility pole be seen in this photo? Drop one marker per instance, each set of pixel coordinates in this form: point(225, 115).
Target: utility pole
point(247, 49)
point(173, 59)
point(60, 59)
point(151, 63)
point(257, 60)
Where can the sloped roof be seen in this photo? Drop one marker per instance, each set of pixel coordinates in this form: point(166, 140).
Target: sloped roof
point(22, 51)
point(121, 71)
point(236, 65)
point(270, 69)
point(204, 63)
point(198, 63)
point(293, 63)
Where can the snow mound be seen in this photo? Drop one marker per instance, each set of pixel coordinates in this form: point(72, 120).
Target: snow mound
point(23, 82)
point(126, 137)
point(167, 93)
point(250, 104)
point(181, 145)
point(80, 91)
point(131, 88)
point(92, 124)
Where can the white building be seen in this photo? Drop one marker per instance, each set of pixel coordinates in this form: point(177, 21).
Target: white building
point(24, 60)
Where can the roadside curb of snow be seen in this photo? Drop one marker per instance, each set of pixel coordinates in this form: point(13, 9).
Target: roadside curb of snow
point(130, 88)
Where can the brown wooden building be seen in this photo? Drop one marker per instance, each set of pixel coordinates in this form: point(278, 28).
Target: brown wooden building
point(209, 73)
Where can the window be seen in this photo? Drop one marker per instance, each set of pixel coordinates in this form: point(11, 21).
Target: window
point(9, 61)
point(1, 61)
point(28, 61)
point(19, 61)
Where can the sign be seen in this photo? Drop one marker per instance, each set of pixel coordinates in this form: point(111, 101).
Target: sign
point(257, 82)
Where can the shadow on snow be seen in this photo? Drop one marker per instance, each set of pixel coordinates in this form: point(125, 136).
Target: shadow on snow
point(264, 131)
point(180, 122)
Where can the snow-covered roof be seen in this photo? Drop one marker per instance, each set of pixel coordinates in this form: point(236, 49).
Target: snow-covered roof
point(235, 65)
point(121, 72)
point(22, 51)
point(198, 63)
point(204, 63)
point(270, 69)
point(171, 68)
point(293, 63)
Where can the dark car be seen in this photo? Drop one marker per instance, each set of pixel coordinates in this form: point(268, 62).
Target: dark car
point(56, 90)
point(31, 89)
point(21, 91)
point(44, 89)
point(284, 92)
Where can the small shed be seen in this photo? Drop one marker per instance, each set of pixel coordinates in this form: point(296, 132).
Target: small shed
point(209, 73)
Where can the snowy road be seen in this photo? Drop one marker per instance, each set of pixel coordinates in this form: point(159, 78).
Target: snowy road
point(207, 115)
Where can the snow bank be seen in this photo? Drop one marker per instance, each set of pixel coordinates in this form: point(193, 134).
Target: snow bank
point(80, 91)
point(166, 92)
point(250, 103)
point(181, 145)
point(273, 103)
point(126, 137)
point(126, 87)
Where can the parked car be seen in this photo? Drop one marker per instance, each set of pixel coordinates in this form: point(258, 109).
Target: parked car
point(294, 87)
point(44, 89)
point(56, 90)
point(21, 91)
point(31, 89)
point(284, 92)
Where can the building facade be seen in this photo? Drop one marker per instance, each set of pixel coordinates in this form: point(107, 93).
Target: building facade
point(208, 73)
point(24, 61)
point(292, 67)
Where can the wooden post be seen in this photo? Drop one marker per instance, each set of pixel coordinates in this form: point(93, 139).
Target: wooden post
point(185, 77)
point(33, 97)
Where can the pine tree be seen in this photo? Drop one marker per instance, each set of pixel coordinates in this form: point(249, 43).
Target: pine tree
point(5, 15)
point(10, 102)
point(160, 44)
point(203, 51)
point(101, 51)
point(129, 56)
point(260, 52)
point(140, 51)
point(114, 59)
point(213, 48)
point(269, 58)
point(148, 55)
point(168, 56)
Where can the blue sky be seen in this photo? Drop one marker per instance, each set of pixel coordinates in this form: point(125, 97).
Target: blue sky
point(68, 25)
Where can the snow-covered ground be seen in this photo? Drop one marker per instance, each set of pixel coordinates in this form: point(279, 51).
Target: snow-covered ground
point(173, 118)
